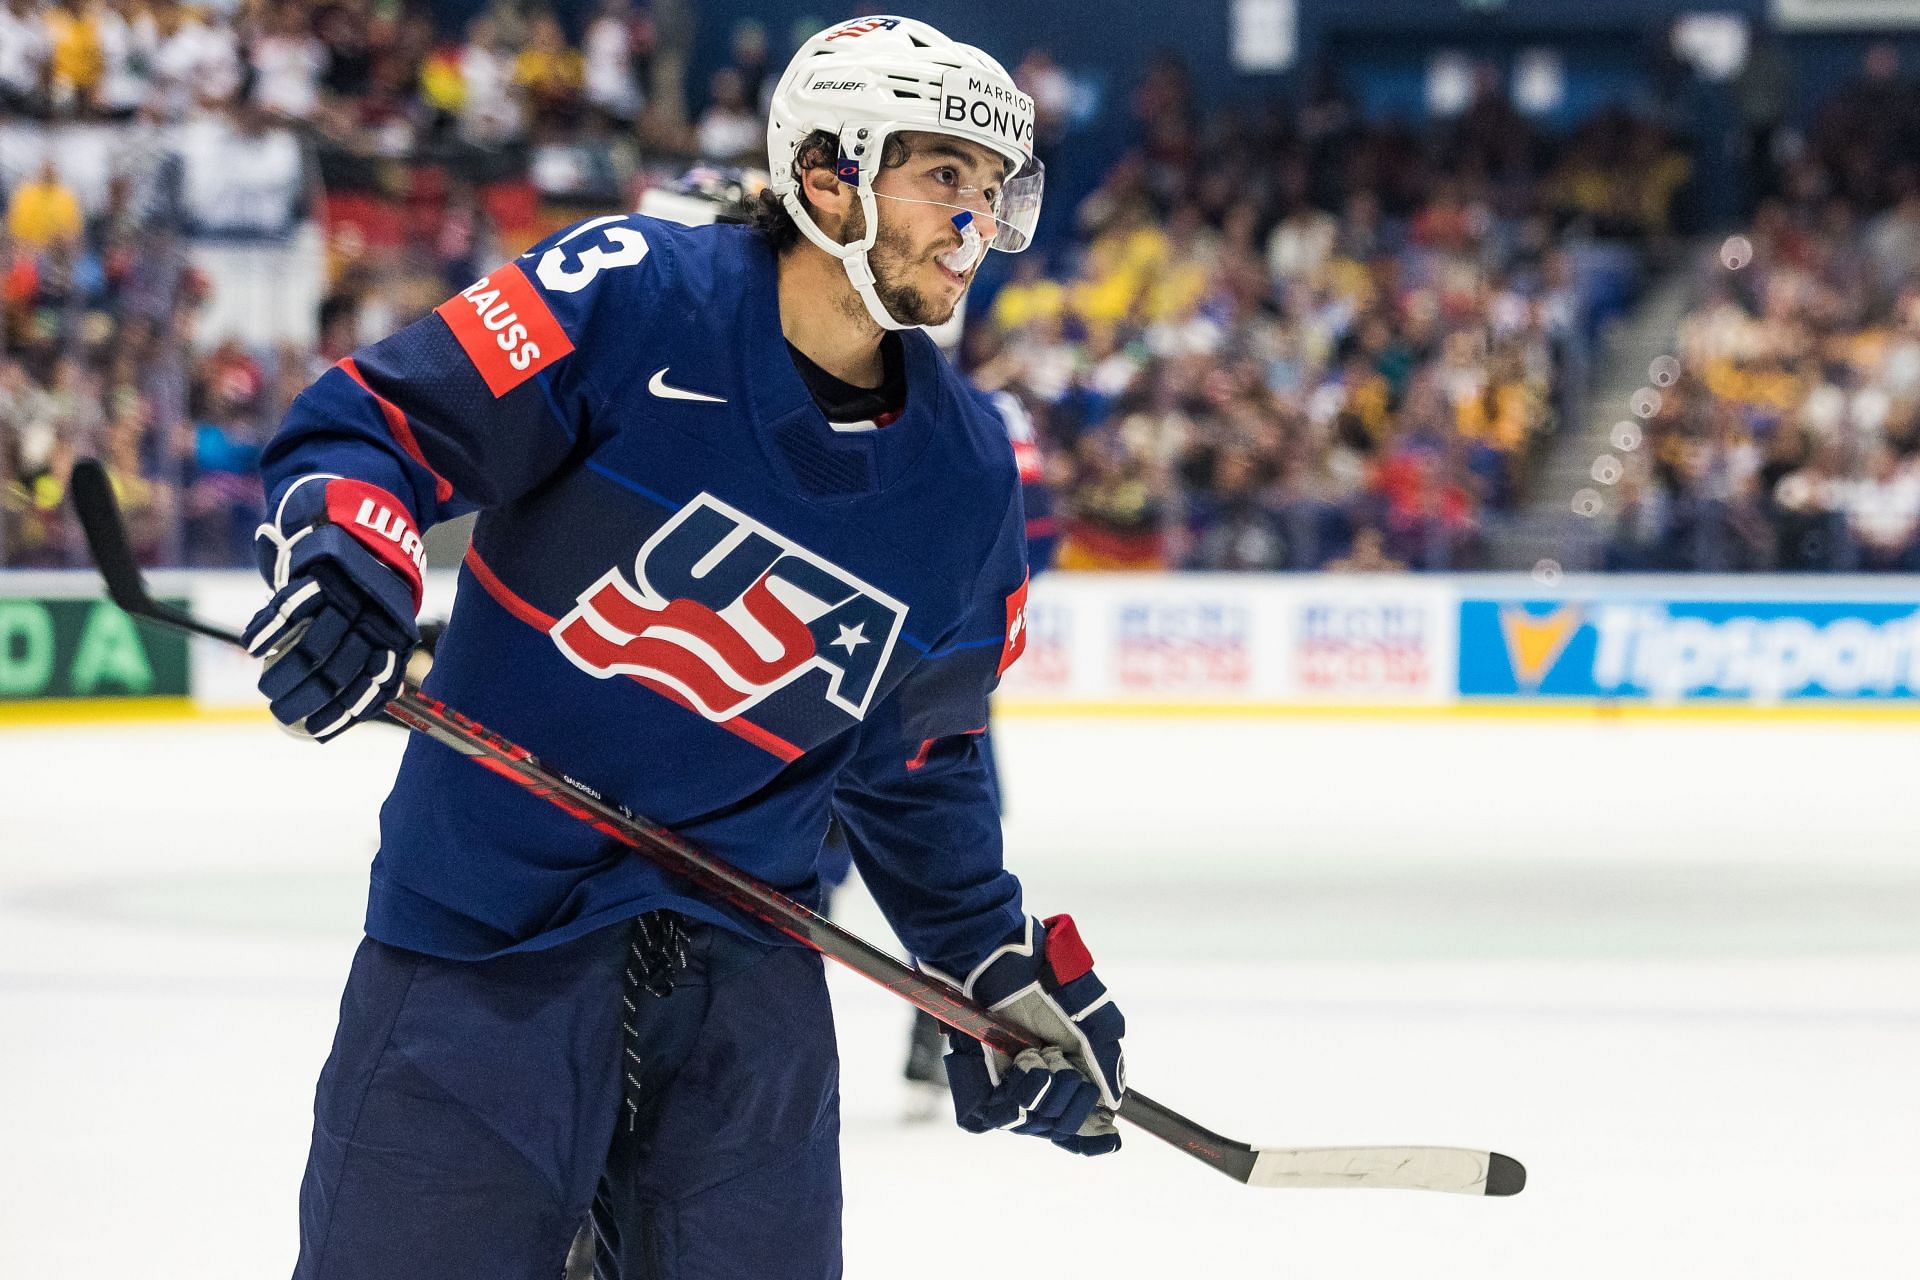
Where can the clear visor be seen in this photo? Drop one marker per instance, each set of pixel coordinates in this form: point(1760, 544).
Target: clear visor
point(1009, 213)
point(1019, 211)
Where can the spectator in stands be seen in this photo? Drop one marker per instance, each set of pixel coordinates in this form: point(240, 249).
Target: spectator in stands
point(1883, 512)
point(343, 28)
point(146, 501)
point(75, 402)
point(287, 61)
point(1232, 526)
point(44, 212)
point(1893, 238)
point(551, 76)
point(1867, 131)
point(1303, 241)
point(36, 507)
point(730, 130)
point(749, 58)
point(1369, 555)
point(76, 59)
point(30, 416)
point(26, 52)
point(489, 104)
point(1115, 516)
point(1052, 91)
point(128, 40)
point(1637, 541)
point(38, 453)
point(613, 40)
point(1810, 512)
point(219, 456)
point(197, 65)
point(384, 119)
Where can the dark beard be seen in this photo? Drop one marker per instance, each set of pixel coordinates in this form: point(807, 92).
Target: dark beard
point(891, 257)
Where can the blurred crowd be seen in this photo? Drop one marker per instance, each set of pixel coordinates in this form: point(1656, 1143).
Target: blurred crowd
point(429, 155)
point(374, 73)
point(98, 300)
point(1790, 439)
point(1299, 339)
point(1283, 338)
point(96, 320)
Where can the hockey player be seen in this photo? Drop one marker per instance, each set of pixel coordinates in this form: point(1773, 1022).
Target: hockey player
point(748, 553)
point(707, 194)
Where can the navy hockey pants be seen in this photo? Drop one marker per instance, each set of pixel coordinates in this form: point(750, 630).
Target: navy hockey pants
point(471, 1114)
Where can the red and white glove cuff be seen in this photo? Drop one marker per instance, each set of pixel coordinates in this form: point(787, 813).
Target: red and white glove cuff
point(368, 514)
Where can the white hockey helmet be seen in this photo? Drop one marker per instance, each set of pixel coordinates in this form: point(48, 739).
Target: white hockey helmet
point(868, 78)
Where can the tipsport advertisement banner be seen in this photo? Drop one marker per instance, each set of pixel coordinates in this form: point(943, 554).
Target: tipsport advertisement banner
point(1672, 649)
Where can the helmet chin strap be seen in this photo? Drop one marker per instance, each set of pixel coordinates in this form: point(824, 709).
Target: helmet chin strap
point(853, 257)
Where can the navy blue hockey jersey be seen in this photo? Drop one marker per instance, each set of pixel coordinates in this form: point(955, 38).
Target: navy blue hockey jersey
point(687, 589)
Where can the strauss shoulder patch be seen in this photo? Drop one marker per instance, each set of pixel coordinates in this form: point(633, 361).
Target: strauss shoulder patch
point(505, 327)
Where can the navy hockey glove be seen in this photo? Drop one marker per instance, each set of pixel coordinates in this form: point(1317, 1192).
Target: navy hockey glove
point(1041, 978)
point(345, 564)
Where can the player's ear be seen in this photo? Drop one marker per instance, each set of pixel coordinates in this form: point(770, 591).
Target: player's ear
point(830, 199)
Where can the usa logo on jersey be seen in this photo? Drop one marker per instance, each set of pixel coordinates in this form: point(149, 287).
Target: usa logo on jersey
point(725, 611)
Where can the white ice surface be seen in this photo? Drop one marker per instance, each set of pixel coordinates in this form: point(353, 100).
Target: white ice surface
point(1675, 969)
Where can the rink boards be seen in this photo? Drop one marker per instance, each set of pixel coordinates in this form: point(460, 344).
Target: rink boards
point(1195, 644)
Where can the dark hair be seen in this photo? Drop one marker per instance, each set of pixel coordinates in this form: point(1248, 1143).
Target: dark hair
point(818, 148)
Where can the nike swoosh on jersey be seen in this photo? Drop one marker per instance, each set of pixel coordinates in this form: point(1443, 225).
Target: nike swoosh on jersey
point(658, 385)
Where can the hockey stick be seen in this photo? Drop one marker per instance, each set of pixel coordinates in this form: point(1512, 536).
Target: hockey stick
point(1407, 1168)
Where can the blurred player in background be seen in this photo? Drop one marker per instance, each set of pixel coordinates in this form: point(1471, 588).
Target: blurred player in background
point(749, 555)
point(708, 194)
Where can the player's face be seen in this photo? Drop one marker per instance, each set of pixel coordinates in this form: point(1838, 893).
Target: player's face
point(948, 175)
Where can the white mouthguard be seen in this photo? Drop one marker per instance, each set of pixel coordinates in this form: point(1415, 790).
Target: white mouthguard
point(971, 245)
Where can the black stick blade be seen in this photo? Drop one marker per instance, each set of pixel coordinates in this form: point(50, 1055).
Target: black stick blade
point(1505, 1175)
point(99, 514)
point(106, 534)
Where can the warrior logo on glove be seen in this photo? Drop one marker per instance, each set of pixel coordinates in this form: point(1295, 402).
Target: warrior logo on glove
point(726, 611)
point(376, 514)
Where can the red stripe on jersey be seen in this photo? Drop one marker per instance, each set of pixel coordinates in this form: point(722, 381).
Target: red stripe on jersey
point(1016, 641)
point(740, 727)
point(919, 760)
point(505, 327)
point(399, 428)
point(504, 596)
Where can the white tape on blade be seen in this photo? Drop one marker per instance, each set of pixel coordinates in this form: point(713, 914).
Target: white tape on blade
point(1402, 1168)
